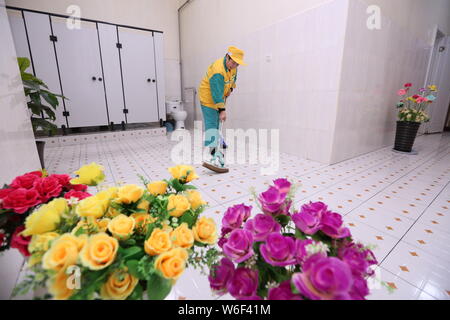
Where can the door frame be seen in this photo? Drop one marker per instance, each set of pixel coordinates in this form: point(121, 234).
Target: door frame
point(433, 63)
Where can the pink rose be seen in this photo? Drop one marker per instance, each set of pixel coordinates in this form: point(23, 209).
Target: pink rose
point(64, 179)
point(80, 195)
point(48, 188)
point(20, 242)
point(401, 92)
point(25, 181)
point(77, 187)
point(21, 200)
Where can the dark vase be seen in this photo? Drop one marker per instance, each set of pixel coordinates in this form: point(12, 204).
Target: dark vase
point(405, 135)
point(40, 146)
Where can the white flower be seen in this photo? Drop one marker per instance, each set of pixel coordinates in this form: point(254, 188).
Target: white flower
point(72, 201)
point(317, 247)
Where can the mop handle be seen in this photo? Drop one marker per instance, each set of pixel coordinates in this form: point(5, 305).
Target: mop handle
point(221, 139)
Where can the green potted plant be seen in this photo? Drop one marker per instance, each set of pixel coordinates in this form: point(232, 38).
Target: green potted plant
point(411, 115)
point(41, 114)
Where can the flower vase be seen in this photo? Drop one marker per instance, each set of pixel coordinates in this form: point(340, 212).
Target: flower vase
point(405, 135)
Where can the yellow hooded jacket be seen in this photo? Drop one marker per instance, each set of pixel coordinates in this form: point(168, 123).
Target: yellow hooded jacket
point(217, 84)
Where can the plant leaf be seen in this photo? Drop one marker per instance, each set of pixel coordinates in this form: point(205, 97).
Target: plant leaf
point(158, 288)
point(24, 63)
point(50, 98)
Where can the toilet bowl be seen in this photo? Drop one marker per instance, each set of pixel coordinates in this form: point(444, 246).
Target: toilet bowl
point(175, 110)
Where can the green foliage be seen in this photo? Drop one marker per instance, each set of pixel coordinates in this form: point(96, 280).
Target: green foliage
point(137, 294)
point(35, 92)
point(189, 217)
point(201, 259)
point(158, 287)
point(178, 186)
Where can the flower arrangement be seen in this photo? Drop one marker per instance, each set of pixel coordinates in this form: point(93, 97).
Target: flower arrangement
point(412, 108)
point(279, 255)
point(23, 195)
point(121, 242)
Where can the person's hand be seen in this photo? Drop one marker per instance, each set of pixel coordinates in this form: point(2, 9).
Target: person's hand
point(223, 116)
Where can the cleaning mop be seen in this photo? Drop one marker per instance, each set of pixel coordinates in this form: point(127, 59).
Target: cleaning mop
point(217, 163)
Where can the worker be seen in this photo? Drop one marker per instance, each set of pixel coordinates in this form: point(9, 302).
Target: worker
point(217, 85)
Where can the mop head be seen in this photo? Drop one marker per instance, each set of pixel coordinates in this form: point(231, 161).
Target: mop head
point(217, 163)
point(215, 168)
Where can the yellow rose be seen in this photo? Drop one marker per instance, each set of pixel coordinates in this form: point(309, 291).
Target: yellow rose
point(183, 173)
point(121, 227)
point(157, 188)
point(142, 220)
point(62, 254)
point(112, 213)
point(172, 263)
point(182, 236)
point(43, 220)
point(129, 193)
point(119, 286)
point(144, 205)
point(91, 207)
point(60, 205)
point(195, 199)
point(178, 205)
point(41, 242)
point(82, 240)
point(91, 175)
point(158, 242)
point(205, 231)
point(107, 194)
point(103, 224)
point(99, 251)
point(58, 287)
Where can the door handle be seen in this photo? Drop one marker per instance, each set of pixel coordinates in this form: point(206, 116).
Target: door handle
point(153, 80)
point(94, 78)
point(100, 79)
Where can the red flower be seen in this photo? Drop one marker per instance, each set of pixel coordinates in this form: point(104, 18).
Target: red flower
point(64, 179)
point(36, 173)
point(26, 181)
point(4, 193)
point(21, 200)
point(2, 238)
point(415, 96)
point(48, 188)
point(80, 195)
point(78, 187)
point(408, 85)
point(20, 242)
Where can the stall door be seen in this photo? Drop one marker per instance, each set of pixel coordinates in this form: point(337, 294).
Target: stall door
point(44, 60)
point(139, 76)
point(111, 71)
point(81, 73)
point(160, 78)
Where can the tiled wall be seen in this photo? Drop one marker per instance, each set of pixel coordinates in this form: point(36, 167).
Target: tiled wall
point(292, 80)
point(376, 64)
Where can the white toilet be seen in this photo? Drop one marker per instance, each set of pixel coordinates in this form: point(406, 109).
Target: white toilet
point(175, 110)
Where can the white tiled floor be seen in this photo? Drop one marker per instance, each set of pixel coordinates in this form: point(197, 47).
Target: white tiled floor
point(398, 202)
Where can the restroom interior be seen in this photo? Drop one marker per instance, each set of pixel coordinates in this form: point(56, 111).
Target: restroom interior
point(318, 71)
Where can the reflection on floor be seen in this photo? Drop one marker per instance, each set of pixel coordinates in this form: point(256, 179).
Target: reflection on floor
point(398, 202)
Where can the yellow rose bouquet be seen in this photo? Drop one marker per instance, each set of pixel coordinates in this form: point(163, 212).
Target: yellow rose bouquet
point(125, 242)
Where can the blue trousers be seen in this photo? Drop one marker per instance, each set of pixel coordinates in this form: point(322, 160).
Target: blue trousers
point(211, 120)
